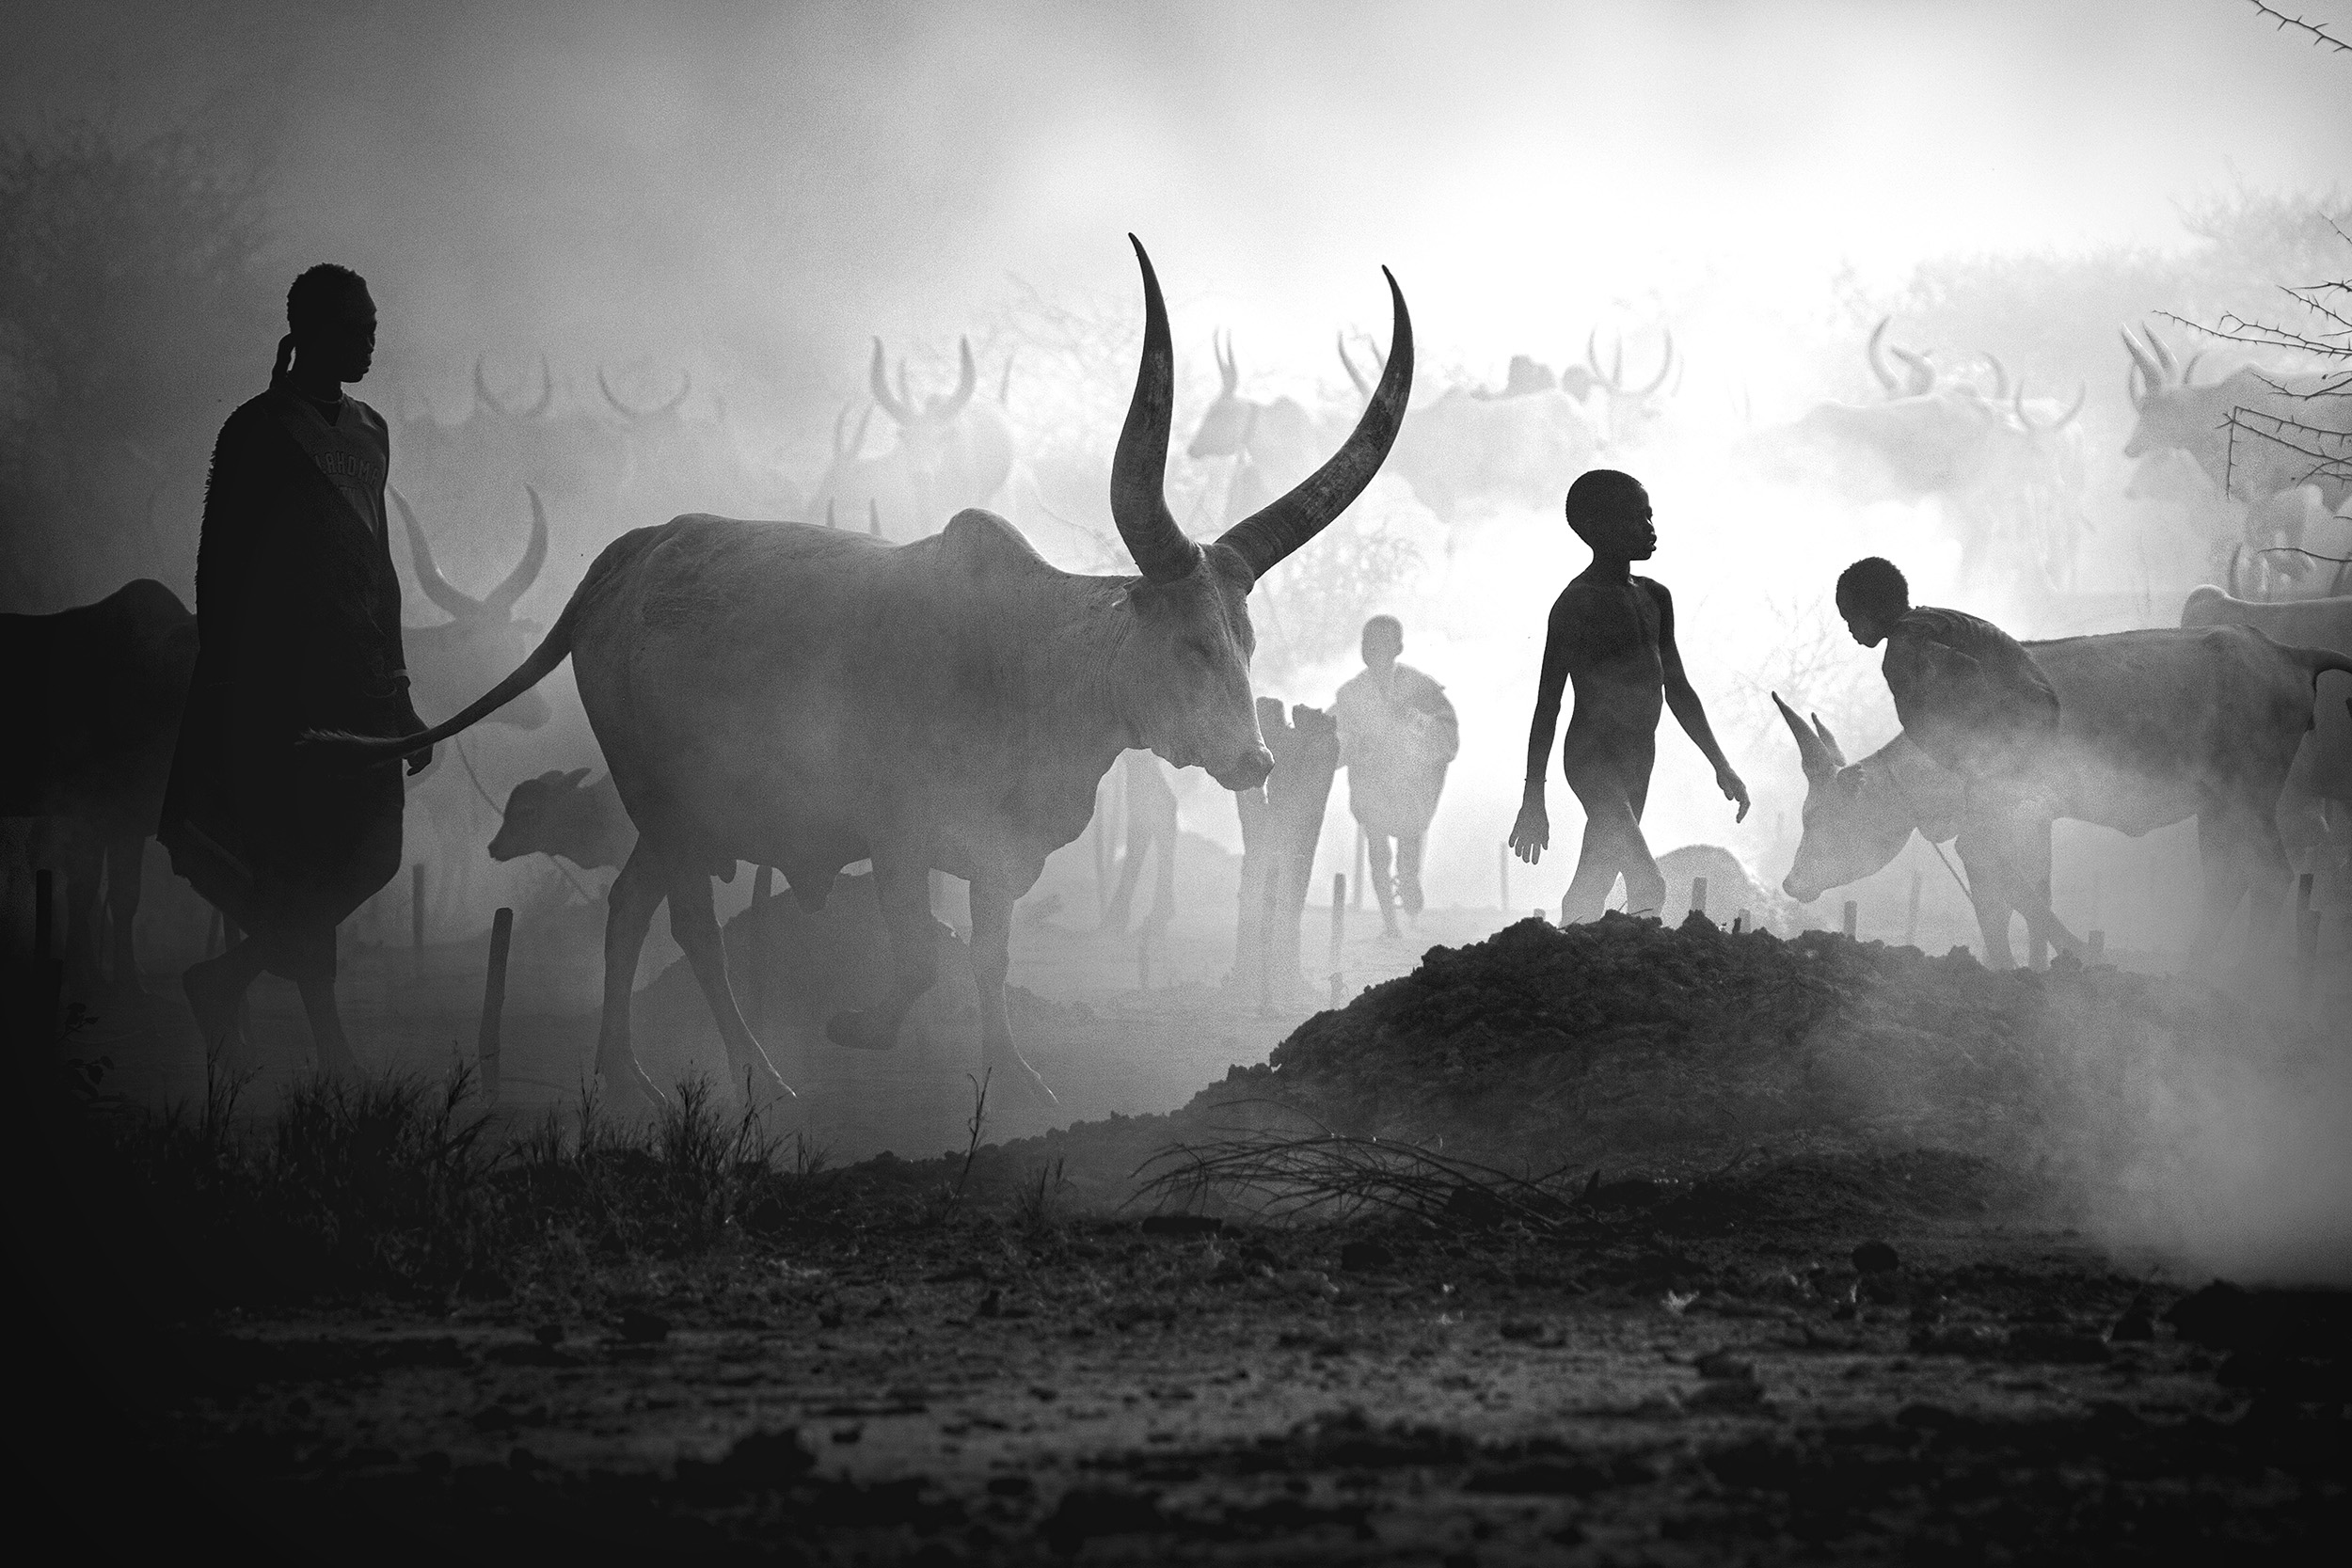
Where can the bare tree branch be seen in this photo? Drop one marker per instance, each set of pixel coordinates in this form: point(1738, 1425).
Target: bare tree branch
point(2320, 37)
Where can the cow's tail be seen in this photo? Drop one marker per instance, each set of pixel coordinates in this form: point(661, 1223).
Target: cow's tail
point(364, 750)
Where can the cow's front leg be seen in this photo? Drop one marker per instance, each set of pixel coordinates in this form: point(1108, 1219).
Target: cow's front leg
point(904, 889)
point(992, 955)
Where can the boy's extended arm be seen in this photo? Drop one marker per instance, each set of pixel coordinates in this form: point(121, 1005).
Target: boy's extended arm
point(1532, 834)
point(1684, 704)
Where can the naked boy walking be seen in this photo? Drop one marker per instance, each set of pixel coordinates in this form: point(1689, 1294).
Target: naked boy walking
point(1612, 634)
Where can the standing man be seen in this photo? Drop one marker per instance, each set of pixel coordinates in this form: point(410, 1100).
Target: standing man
point(1614, 633)
point(298, 612)
point(1397, 735)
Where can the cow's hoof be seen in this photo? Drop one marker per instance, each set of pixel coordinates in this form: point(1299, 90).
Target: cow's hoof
point(1023, 1079)
point(760, 1080)
point(628, 1091)
point(861, 1032)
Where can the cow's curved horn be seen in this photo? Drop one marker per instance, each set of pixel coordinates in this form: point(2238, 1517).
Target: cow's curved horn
point(967, 377)
point(1877, 358)
point(2189, 370)
point(500, 601)
point(1811, 754)
point(435, 587)
point(2000, 376)
point(1004, 382)
point(878, 382)
point(1665, 368)
point(622, 409)
point(1364, 387)
point(546, 392)
point(840, 424)
point(1139, 467)
point(482, 393)
point(1268, 535)
point(2164, 353)
point(1922, 378)
point(635, 415)
point(1228, 363)
point(2237, 555)
point(2150, 374)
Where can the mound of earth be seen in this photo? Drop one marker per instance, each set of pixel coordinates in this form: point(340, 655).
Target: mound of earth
point(1625, 1037)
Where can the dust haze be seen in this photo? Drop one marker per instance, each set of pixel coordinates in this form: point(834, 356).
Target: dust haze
point(737, 200)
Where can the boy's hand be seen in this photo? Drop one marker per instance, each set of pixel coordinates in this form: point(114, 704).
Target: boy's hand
point(1729, 781)
point(1532, 834)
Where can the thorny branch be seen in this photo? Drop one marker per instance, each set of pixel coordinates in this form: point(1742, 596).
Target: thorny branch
point(2320, 35)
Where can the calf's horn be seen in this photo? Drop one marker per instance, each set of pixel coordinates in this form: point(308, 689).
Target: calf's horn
point(1871, 351)
point(1266, 537)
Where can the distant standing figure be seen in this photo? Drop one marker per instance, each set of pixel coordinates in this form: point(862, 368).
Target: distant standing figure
point(1150, 825)
point(297, 613)
point(1614, 633)
point(1968, 693)
point(1397, 735)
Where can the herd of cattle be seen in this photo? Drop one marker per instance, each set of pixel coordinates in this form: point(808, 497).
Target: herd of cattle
point(917, 772)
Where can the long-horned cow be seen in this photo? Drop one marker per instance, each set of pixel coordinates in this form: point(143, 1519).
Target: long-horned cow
point(806, 697)
point(1465, 451)
point(2275, 443)
point(2005, 472)
point(1273, 444)
point(953, 451)
point(2155, 728)
point(481, 637)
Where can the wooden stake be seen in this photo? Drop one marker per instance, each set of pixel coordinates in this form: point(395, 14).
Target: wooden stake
point(494, 1003)
point(1698, 895)
point(763, 885)
point(1852, 912)
point(1339, 931)
point(1739, 923)
point(1269, 897)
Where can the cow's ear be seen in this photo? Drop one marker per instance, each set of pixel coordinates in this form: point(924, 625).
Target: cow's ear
point(571, 780)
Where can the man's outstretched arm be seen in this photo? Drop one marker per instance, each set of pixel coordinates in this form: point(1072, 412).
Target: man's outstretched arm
point(1688, 711)
point(1532, 834)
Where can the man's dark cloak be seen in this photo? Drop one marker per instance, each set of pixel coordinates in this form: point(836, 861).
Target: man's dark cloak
point(299, 613)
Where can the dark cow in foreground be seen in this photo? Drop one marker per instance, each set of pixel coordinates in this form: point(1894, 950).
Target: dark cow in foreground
point(804, 698)
point(91, 700)
point(555, 814)
point(2155, 728)
point(481, 637)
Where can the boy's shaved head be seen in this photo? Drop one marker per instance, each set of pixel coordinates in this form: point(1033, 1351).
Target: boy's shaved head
point(1876, 586)
point(1603, 495)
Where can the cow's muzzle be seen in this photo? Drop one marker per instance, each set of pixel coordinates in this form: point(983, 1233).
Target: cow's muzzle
point(1248, 771)
point(1790, 885)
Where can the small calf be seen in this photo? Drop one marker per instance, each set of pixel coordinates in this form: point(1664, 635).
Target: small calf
point(556, 814)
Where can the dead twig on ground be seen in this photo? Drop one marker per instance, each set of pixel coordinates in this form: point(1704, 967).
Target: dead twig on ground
point(1334, 1176)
